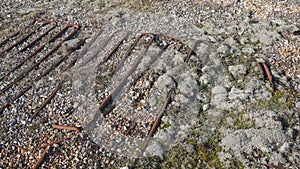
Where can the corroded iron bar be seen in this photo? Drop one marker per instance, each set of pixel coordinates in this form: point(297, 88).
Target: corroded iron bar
point(192, 51)
point(108, 99)
point(9, 37)
point(33, 53)
point(157, 120)
point(53, 23)
point(104, 44)
point(261, 69)
point(21, 40)
point(41, 159)
point(44, 57)
point(269, 74)
point(127, 54)
point(128, 73)
point(47, 101)
point(54, 92)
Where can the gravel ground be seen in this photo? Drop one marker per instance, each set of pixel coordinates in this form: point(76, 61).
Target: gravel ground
point(243, 120)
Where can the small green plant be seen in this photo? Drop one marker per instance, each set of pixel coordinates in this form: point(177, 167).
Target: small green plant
point(275, 102)
point(101, 4)
point(202, 155)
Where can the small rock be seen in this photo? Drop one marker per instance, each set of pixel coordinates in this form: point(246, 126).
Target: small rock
point(223, 49)
point(124, 167)
point(188, 86)
point(285, 147)
point(165, 83)
point(297, 105)
point(268, 37)
point(237, 93)
point(248, 50)
point(205, 107)
point(155, 149)
point(237, 70)
point(244, 40)
point(219, 90)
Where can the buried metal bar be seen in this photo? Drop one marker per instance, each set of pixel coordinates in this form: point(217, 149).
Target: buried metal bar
point(269, 74)
point(128, 73)
point(36, 51)
point(58, 62)
point(261, 69)
point(38, 78)
point(15, 97)
point(47, 101)
point(133, 46)
point(192, 50)
point(42, 157)
point(157, 120)
point(9, 37)
point(104, 44)
point(22, 92)
point(115, 48)
point(21, 40)
point(167, 36)
point(54, 92)
point(128, 53)
point(17, 43)
point(264, 70)
point(45, 57)
point(132, 126)
point(53, 23)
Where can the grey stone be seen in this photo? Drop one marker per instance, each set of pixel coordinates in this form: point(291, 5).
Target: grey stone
point(154, 149)
point(205, 79)
point(277, 159)
point(124, 167)
point(248, 50)
point(297, 105)
point(268, 37)
point(285, 147)
point(265, 119)
point(242, 141)
point(231, 41)
point(223, 49)
point(237, 70)
point(219, 90)
point(219, 96)
point(165, 82)
point(188, 87)
point(205, 107)
point(244, 40)
point(237, 93)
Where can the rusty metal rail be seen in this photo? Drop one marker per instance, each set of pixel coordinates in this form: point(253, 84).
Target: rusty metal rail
point(157, 120)
point(32, 67)
point(61, 38)
point(107, 105)
point(116, 90)
point(265, 71)
point(54, 24)
point(66, 33)
point(59, 86)
point(8, 38)
point(20, 40)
